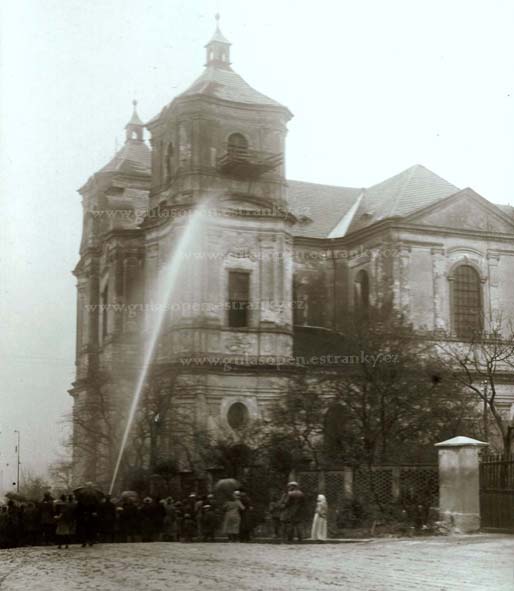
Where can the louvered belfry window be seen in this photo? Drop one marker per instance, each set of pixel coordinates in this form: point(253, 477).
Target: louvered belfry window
point(239, 298)
point(467, 302)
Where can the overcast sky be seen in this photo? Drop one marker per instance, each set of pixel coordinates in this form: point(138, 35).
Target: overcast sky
point(374, 86)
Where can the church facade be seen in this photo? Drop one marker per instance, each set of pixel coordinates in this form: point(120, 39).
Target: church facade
point(273, 257)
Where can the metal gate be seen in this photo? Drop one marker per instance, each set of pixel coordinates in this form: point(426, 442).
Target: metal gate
point(497, 493)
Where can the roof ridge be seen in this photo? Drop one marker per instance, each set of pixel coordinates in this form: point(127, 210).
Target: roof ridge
point(345, 221)
point(323, 185)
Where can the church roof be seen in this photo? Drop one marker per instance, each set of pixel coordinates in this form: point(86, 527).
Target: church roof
point(225, 84)
point(318, 207)
point(397, 196)
point(133, 158)
point(401, 195)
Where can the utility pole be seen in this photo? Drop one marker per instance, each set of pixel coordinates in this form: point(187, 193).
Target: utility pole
point(18, 462)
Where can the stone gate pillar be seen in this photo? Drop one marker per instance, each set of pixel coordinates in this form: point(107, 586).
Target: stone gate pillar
point(459, 491)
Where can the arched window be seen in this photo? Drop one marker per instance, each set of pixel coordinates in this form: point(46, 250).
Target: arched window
point(238, 415)
point(237, 144)
point(466, 301)
point(361, 291)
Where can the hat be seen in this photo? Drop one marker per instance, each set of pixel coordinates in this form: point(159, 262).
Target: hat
point(292, 484)
point(147, 500)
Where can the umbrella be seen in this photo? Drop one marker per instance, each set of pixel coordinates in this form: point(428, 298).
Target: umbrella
point(295, 494)
point(88, 492)
point(226, 487)
point(129, 494)
point(13, 496)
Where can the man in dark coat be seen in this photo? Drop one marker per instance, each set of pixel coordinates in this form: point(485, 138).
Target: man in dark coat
point(11, 525)
point(47, 521)
point(129, 521)
point(293, 512)
point(87, 519)
point(32, 529)
point(158, 516)
point(147, 517)
point(106, 519)
point(246, 525)
point(209, 523)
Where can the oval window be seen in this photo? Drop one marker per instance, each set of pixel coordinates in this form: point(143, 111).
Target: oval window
point(237, 415)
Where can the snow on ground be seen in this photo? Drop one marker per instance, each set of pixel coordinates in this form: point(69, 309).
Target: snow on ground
point(475, 563)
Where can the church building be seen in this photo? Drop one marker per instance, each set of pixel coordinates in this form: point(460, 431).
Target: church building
point(274, 258)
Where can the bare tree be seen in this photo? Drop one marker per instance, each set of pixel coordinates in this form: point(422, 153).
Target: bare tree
point(482, 365)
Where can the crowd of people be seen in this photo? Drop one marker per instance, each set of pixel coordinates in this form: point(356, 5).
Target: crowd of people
point(86, 519)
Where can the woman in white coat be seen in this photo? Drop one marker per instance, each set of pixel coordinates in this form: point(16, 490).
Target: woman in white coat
point(319, 524)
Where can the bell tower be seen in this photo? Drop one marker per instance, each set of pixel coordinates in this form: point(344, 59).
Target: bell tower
point(218, 49)
point(224, 141)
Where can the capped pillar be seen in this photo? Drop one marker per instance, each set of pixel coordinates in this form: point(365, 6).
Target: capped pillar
point(459, 485)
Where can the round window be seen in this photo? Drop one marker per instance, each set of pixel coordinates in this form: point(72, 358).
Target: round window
point(237, 415)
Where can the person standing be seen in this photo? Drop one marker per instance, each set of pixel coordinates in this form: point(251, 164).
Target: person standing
point(128, 520)
point(47, 521)
point(106, 519)
point(209, 523)
point(274, 510)
point(188, 528)
point(179, 520)
point(319, 523)
point(293, 512)
point(169, 530)
point(245, 526)
point(12, 525)
point(65, 518)
point(198, 514)
point(31, 516)
point(158, 516)
point(147, 515)
point(232, 517)
point(87, 519)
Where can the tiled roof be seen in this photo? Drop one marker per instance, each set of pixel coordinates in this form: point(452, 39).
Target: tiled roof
point(318, 207)
point(397, 196)
point(224, 83)
point(133, 158)
point(401, 195)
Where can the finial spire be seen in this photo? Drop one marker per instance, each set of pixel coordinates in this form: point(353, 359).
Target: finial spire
point(135, 126)
point(218, 48)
